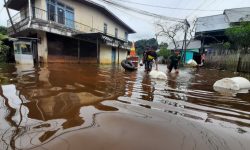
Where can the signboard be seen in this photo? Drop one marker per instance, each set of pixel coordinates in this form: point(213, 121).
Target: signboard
point(114, 42)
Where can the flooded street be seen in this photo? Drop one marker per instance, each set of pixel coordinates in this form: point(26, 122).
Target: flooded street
point(71, 106)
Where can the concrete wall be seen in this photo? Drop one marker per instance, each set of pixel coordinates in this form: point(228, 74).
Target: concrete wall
point(24, 59)
point(42, 47)
point(41, 4)
point(123, 55)
point(106, 54)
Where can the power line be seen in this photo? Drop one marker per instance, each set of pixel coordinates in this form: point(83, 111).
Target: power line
point(143, 12)
point(131, 14)
point(166, 7)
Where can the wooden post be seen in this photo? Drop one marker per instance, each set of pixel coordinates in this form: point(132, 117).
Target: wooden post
point(97, 51)
point(118, 53)
point(79, 49)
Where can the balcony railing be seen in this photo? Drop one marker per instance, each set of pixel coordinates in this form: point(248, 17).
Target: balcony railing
point(21, 19)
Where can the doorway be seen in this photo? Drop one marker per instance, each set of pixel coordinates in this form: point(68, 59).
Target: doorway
point(113, 55)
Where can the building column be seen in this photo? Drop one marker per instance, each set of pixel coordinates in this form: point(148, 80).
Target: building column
point(79, 50)
point(42, 47)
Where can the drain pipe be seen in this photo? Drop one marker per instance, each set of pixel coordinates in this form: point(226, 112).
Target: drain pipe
point(30, 14)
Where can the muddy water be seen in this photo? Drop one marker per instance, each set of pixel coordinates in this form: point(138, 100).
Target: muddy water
point(69, 106)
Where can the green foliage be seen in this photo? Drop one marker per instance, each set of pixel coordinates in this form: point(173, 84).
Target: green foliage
point(3, 52)
point(226, 45)
point(3, 30)
point(240, 35)
point(164, 52)
point(3, 48)
point(163, 45)
point(3, 37)
point(142, 45)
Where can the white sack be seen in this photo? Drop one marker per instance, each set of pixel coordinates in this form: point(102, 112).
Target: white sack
point(192, 63)
point(236, 83)
point(157, 75)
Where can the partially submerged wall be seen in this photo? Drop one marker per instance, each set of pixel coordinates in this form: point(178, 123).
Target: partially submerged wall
point(229, 61)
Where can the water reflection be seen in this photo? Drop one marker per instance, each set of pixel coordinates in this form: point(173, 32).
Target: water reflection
point(40, 103)
point(45, 101)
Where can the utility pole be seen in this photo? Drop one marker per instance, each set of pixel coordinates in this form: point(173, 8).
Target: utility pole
point(7, 9)
point(187, 26)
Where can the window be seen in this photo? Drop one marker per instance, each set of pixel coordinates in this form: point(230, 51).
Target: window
point(126, 36)
point(116, 32)
point(105, 30)
point(17, 48)
point(60, 13)
point(25, 48)
point(51, 12)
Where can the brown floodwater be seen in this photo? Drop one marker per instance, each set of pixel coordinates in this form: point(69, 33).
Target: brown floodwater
point(80, 106)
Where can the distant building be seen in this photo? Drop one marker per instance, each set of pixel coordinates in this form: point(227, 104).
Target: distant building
point(192, 51)
point(211, 29)
point(68, 31)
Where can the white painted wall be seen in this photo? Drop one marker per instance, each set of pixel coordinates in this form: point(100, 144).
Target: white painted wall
point(24, 59)
point(123, 55)
point(105, 54)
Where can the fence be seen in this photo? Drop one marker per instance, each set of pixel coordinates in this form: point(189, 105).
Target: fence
point(232, 61)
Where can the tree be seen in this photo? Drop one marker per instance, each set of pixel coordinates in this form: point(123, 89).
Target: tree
point(170, 32)
point(175, 32)
point(240, 35)
point(164, 52)
point(3, 48)
point(3, 30)
point(142, 45)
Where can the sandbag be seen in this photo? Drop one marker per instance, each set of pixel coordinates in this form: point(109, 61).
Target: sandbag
point(236, 84)
point(158, 75)
point(192, 63)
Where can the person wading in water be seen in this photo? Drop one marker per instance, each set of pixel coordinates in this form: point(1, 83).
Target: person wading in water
point(174, 61)
point(150, 56)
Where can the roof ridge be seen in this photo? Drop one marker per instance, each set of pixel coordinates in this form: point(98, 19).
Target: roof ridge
point(236, 8)
point(211, 16)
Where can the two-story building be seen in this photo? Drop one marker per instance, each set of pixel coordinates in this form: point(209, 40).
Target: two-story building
point(67, 31)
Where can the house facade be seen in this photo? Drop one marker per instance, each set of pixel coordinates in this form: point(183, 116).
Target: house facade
point(192, 51)
point(68, 31)
point(211, 29)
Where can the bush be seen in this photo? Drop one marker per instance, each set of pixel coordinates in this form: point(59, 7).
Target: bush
point(164, 52)
point(3, 49)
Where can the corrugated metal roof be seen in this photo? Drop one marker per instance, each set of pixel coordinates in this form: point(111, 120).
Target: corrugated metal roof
point(238, 14)
point(212, 23)
point(194, 44)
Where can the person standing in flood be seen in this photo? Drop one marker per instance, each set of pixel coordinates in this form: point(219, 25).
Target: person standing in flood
point(174, 61)
point(150, 57)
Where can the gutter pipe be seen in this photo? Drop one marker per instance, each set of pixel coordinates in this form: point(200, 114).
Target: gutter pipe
point(30, 14)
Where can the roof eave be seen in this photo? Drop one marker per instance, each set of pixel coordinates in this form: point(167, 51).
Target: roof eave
point(15, 5)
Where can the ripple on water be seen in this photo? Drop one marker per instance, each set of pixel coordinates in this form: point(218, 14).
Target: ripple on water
point(40, 104)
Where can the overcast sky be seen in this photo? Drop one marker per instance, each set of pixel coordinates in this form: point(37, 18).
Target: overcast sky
point(144, 26)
